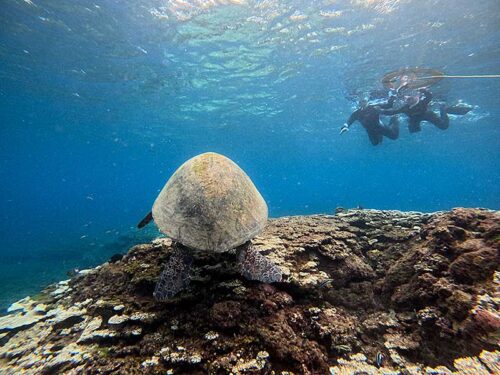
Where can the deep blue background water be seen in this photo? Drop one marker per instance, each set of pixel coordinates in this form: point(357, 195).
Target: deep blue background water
point(102, 100)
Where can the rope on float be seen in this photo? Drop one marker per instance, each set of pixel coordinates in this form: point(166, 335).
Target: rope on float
point(470, 76)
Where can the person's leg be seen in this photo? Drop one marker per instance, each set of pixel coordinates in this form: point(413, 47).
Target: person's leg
point(391, 131)
point(441, 122)
point(414, 124)
point(459, 109)
point(375, 136)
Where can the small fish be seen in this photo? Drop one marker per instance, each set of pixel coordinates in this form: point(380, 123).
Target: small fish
point(73, 272)
point(142, 50)
point(325, 283)
point(380, 359)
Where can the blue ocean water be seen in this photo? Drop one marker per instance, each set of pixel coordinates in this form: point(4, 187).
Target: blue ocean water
point(102, 100)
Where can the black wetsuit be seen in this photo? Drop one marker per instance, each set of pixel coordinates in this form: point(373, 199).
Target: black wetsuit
point(420, 112)
point(369, 117)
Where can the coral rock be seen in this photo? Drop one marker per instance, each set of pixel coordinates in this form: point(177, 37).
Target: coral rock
point(364, 291)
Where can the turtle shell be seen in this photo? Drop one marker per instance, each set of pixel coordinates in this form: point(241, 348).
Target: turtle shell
point(209, 203)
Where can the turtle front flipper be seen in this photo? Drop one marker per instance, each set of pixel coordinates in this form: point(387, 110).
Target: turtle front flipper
point(175, 276)
point(147, 219)
point(255, 266)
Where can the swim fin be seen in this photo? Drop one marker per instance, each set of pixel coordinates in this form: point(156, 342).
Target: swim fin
point(147, 219)
point(459, 109)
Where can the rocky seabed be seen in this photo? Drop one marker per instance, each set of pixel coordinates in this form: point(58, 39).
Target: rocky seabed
point(364, 292)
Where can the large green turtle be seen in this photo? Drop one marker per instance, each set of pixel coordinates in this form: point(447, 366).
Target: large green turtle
point(210, 204)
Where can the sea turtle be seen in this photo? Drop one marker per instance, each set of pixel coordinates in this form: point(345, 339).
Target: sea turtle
point(210, 204)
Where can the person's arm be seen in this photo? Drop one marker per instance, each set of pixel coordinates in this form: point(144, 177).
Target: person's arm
point(427, 96)
point(388, 104)
point(393, 111)
point(349, 122)
point(401, 88)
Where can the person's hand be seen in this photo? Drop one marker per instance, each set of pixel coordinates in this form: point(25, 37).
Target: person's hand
point(402, 88)
point(344, 129)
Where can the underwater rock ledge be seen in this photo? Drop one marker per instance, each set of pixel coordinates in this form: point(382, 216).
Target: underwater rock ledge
point(364, 291)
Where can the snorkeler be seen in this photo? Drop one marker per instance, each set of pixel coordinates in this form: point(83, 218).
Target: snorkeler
point(369, 117)
point(417, 110)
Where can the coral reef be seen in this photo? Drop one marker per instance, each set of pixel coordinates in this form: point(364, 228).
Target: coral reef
point(363, 292)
